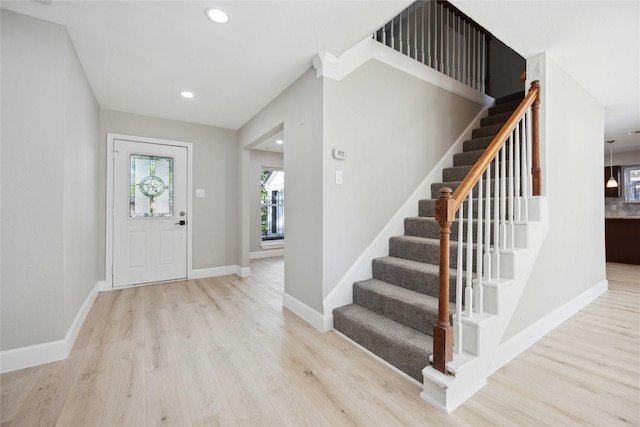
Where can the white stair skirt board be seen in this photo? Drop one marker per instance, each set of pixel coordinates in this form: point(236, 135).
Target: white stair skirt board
point(337, 68)
point(25, 357)
point(201, 273)
point(447, 392)
point(308, 314)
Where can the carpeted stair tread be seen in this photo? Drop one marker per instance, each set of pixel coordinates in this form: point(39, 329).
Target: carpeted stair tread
point(476, 144)
point(427, 207)
point(421, 249)
point(453, 185)
point(430, 228)
point(412, 275)
point(507, 106)
point(467, 158)
point(516, 96)
point(457, 173)
point(486, 130)
point(401, 346)
point(413, 309)
point(496, 118)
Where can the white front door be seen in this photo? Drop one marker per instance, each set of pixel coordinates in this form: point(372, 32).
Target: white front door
point(149, 212)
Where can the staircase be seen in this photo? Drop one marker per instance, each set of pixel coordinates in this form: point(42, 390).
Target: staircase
point(393, 313)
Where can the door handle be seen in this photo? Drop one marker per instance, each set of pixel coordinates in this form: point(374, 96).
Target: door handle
point(182, 222)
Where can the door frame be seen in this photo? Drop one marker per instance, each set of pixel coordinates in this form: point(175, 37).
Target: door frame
point(109, 235)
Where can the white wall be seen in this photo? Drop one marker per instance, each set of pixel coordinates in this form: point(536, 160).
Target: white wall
point(572, 259)
point(299, 111)
point(82, 191)
point(394, 128)
point(259, 160)
point(215, 160)
point(49, 183)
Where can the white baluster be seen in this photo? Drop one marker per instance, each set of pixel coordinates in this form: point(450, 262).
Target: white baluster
point(422, 31)
point(415, 31)
point(478, 60)
point(524, 170)
point(441, 38)
point(487, 228)
point(518, 189)
point(408, 35)
point(468, 81)
point(529, 153)
point(484, 64)
point(459, 275)
point(429, 28)
point(503, 199)
point(393, 36)
point(496, 218)
point(469, 288)
point(511, 232)
point(454, 43)
point(478, 245)
point(473, 59)
point(447, 56)
point(400, 33)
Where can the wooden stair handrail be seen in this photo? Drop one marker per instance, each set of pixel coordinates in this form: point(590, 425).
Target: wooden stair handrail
point(447, 205)
point(492, 150)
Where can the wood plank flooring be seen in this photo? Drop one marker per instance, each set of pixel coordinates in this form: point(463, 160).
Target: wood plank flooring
point(223, 351)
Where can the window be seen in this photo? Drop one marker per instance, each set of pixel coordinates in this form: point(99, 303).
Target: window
point(272, 203)
point(632, 184)
point(151, 189)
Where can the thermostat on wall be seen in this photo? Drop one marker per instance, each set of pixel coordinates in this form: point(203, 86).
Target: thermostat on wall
point(339, 153)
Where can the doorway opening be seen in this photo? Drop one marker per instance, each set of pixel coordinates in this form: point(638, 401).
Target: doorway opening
point(272, 205)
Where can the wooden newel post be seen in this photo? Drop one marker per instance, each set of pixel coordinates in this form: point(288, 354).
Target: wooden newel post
point(443, 331)
point(536, 172)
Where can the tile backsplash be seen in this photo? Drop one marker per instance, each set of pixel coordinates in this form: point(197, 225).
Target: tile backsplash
point(616, 206)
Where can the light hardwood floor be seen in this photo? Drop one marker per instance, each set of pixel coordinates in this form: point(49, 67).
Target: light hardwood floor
point(223, 351)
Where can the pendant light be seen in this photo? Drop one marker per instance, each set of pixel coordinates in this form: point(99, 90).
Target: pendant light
point(611, 183)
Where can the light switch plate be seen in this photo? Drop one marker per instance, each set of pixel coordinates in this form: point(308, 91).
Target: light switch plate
point(338, 177)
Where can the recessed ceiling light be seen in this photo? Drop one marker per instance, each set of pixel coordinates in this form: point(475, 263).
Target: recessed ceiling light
point(217, 15)
point(186, 94)
point(279, 142)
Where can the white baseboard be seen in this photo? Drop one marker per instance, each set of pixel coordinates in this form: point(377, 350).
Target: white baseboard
point(225, 270)
point(308, 314)
point(266, 254)
point(243, 271)
point(513, 347)
point(32, 355)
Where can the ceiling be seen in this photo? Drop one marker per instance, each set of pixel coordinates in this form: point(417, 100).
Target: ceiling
point(139, 55)
point(597, 42)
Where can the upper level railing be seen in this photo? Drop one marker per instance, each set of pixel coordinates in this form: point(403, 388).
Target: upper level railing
point(494, 202)
point(438, 35)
